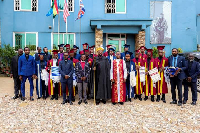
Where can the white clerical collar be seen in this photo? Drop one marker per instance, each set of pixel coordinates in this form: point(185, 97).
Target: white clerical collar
point(82, 61)
point(54, 59)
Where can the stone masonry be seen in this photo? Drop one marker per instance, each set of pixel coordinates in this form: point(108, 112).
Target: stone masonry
point(139, 40)
point(98, 38)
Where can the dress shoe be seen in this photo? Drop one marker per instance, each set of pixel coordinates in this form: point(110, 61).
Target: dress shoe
point(67, 100)
point(20, 95)
point(63, 102)
point(121, 103)
point(135, 97)
point(129, 99)
point(31, 98)
point(158, 98)
point(52, 97)
point(164, 101)
point(23, 98)
point(38, 97)
point(152, 99)
point(56, 97)
point(15, 97)
point(173, 102)
point(85, 101)
point(71, 103)
point(179, 104)
point(103, 101)
point(113, 103)
point(73, 99)
point(193, 103)
point(80, 102)
point(88, 97)
point(184, 101)
point(146, 97)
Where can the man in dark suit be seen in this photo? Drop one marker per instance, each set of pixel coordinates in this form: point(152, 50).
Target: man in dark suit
point(26, 69)
point(192, 71)
point(176, 80)
point(66, 69)
point(14, 74)
point(47, 56)
point(37, 55)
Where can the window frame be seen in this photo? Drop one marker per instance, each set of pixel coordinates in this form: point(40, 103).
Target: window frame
point(115, 8)
point(21, 10)
point(63, 33)
point(25, 38)
point(68, 6)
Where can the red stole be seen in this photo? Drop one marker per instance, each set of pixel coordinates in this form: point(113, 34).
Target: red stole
point(122, 84)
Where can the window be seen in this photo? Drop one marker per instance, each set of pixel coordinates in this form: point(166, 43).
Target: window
point(115, 6)
point(62, 2)
point(63, 38)
point(25, 5)
point(25, 39)
point(116, 40)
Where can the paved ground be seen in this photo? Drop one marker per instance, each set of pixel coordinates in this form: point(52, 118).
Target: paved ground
point(50, 116)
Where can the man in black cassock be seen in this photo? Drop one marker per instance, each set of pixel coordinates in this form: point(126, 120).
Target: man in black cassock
point(101, 68)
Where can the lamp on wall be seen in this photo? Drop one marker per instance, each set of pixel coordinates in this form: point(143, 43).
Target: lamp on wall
point(49, 27)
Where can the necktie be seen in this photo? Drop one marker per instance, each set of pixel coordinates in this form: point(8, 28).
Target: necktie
point(174, 61)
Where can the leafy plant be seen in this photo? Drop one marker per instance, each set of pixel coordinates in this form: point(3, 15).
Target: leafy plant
point(180, 50)
point(155, 52)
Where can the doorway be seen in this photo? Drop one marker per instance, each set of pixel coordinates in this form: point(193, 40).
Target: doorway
point(117, 40)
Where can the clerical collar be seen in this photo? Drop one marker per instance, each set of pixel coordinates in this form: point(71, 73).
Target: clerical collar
point(54, 59)
point(82, 61)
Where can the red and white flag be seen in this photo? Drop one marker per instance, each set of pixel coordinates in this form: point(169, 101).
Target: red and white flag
point(66, 11)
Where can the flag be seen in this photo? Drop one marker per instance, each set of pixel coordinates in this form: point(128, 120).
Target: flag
point(66, 11)
point(81, 11)
point(54, 9)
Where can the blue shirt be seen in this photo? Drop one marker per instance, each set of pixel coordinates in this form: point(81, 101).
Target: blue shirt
point(174, 61)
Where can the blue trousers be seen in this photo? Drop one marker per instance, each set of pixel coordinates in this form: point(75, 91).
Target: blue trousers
point(129, 88)
point(23, 85)
point(69, 83)
point(193, 89)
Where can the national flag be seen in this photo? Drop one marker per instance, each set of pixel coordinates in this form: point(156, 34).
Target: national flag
point(66, 11)
point(81, 11)
point(54, 9)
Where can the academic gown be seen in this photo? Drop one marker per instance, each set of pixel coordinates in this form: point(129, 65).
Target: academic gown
point(149, 88)
point(92, 56)
point(60, 56)
point(77, 56)
point(39, 86)
point(123, 56)
point(161, 85)
point(129, 89)
point(139, 85)
point(102, 78)
point(50, 82)
point(107, 54)
point(143, 57)
point(118, 73)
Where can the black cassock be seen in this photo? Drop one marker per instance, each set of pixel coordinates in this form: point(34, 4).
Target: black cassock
point(102, 79)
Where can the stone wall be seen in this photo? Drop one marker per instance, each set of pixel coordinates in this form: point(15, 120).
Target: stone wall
point(98, 38)
point(139, 40)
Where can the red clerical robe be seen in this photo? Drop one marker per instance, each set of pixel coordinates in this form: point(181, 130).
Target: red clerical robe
point(161, 84)
point(139, 85)
point(149, 88)
point(143, 57)
point(50, 82)
point(119, 73)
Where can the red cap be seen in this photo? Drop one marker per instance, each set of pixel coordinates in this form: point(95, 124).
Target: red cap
point(81, 52)
point(92, 46)
point(137, 51)
point(108, 46)
point(55, 51)
point(143, 47)
point(67, 45)
point(150, 50)
point(85, 44)
point(160, 47)
point(86, 50)
point(71, 51)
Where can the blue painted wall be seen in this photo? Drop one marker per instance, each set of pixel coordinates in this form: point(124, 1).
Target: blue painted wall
point(184, 29)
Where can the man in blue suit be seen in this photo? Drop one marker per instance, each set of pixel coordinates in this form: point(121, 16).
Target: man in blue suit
point(76, 55)
point(26, 69)
point(66, 69)
point(176, 80)
point(192, 71)
point(126, 48)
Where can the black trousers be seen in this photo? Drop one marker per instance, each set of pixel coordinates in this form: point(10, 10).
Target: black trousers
point(56, 90)
point(44, 89)
point(193, 89)
point(176, 82)
point(69, 83)
point(17, 86)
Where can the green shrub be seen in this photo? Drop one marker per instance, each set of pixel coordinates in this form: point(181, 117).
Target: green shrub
point(155, 52)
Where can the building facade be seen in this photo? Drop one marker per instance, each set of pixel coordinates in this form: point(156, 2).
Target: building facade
point(173, 23)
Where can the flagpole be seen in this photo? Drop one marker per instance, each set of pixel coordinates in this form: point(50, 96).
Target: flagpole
point(80, 33)
point(58, 27)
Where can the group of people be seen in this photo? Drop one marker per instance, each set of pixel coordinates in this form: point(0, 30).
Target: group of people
point(110, 75)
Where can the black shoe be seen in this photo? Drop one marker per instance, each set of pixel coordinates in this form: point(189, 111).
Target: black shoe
point(158, 98)
point(73, 99)
point(113, 103)
point(173, 102)
point(121, 103)
point(32, 99)
point(80, 102)
point(52, 97)
point(129, 99)
point(193, 103)
point(152, 99)
point(88, 97)
point(184, 101)
point(139, 97)
point(71, 103)
point(20, 95)
point(103, 101)
point(38, 97)
point(179, 104)
point(15, 97)
point(146, 97)
point(23, 98)
point(63, 102)
point(56, 98)
point(135, 97)
point(85, 101)
point(164, 101)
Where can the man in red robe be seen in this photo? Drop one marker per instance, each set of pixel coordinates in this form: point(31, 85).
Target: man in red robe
point(143, 56)
point(67, 48)
point(161, 63)
point(139, 86)
point(53, 88)
point(107, 52)
point(85, 46)
point(149, 87)
point(92, 54)
point(118, 75)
